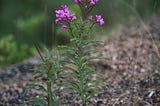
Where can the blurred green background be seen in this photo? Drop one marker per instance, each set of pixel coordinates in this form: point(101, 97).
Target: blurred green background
point(25, 22)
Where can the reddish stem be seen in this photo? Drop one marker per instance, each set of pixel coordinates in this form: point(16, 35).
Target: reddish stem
point(70, 29)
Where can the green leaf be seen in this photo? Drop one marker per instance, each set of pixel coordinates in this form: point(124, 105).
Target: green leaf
point(92, 82)
point(90, 51)
point(63, 47)
point(55, 100)
point(67, 62)
point(36, 86)
point(73, 86)
point(88, 74)
point(43, 71)
point(91, 95)
point(37, 101)
point(94, 57)
point(76, 10)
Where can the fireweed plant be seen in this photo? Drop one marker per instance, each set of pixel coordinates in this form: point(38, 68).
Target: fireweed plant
point(79, 74)
point(46, 78)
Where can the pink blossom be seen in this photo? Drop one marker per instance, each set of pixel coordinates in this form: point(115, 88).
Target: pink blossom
point(93, 2)
point(77, 1)
point(86, 6)
point(64, 27)
point(90, 19)
point(72, 17)
point(63, 15)
point(99, 19)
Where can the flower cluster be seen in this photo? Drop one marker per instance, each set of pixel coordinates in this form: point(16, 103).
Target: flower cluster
point(90, 19)
point(63, 15)
point(91, 2)
point(98, 19)
point(77, 1)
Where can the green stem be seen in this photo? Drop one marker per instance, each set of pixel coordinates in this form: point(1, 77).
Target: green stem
point(70, 30)
point(49, 97)
point(82, 93)
point(82, 89)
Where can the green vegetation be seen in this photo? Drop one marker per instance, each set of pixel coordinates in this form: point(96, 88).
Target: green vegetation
point(78, 75)
point(32, 21)
point(11, 53)
point(50, 68)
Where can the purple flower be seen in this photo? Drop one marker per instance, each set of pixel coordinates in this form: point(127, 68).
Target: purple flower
point(90, 19)
point(64, 27)
point(77, 1)
point(93, 2)
point(99, 19)
point(86, 6)
point(72, 17)
point(57, 21)
point(63, 15)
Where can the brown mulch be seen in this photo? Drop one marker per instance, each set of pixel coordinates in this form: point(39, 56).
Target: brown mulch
point(131, 67)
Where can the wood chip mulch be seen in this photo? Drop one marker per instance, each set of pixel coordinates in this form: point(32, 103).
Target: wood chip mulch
point(130, 65)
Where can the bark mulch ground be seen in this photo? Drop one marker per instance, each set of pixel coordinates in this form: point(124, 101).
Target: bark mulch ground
point(131, 67)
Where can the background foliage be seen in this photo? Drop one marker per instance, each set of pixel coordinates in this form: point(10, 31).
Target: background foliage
point(32, 21)
point(11, 53)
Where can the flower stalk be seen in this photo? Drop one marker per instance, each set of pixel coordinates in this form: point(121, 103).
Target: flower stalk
point(82, 85)
point(49, 96)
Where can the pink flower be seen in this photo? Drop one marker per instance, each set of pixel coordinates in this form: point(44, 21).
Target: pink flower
point(86, 6)
point(72, 17)
point(64, 27)
point(90, 19)
point(77, 1)
point(63, 15)
point(99, 19)
point(93, 2)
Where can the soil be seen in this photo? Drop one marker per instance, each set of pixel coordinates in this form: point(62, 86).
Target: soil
point(130, 65)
